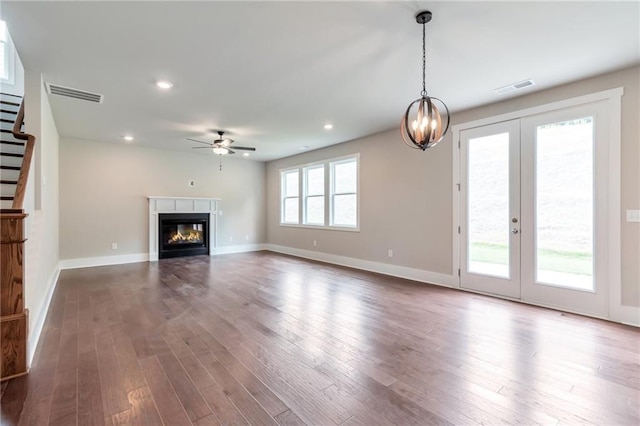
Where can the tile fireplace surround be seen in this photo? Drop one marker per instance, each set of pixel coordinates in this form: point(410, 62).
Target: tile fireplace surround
point(159, 205)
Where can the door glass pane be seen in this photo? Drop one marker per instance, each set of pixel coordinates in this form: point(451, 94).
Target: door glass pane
point(488, 205)
point(564, 204)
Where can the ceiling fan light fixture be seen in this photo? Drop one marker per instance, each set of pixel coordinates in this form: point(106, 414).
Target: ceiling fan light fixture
point(426, 120)
point(220, 150)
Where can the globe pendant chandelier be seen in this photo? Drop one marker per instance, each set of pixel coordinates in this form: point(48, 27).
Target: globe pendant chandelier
point(426, 121)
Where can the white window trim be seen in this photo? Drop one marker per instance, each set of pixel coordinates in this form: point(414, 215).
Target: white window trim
point(328, 176)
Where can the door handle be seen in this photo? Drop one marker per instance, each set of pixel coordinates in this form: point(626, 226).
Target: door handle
point(514, 230)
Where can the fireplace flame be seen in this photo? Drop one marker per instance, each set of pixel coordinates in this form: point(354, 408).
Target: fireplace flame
point(188, 237)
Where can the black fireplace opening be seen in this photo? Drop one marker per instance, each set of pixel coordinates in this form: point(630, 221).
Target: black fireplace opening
point(183, 234)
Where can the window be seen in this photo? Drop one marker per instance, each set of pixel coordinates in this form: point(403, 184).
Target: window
point(6, 55)
point(323, 194)
point(344, 192)
point(314, 195)
point(290, 197)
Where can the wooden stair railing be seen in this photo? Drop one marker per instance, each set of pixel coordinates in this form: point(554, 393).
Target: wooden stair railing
point(13, 315)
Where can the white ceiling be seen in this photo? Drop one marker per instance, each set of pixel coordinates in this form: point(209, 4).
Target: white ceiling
point(273, 73)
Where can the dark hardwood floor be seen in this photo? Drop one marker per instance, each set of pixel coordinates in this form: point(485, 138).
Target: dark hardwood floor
point(265, 339)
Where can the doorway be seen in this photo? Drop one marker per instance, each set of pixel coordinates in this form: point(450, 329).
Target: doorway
point(534, 208)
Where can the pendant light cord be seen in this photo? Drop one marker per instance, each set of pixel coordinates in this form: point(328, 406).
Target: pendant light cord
point(424, 60)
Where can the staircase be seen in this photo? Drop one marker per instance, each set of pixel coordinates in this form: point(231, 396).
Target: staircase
point(11, 150)
point(16, 150)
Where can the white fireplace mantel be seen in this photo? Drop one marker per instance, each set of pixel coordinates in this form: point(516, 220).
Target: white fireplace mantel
point(159, 205)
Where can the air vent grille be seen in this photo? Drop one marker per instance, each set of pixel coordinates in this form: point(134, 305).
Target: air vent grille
point(513, 87)
point(69, 92)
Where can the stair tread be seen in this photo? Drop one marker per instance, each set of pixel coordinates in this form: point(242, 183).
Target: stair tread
point(9, 167)
point(12, 143)
point(8, 182)
point(2, 101)
point(5, 120)
point(6, 198)
point(8, 111)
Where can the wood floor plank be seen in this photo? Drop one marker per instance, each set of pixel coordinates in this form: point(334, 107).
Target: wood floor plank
point(263, 338)
point(143, 410)
point(188, 394)
point(171, 410)
point(241, 398)
point(64, 403)
point(90, 411)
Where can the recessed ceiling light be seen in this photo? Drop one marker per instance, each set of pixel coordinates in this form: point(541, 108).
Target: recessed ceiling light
point(303, 147)
point(246, 154)
point(328, 126)
point(127, 138)
point(164, 84)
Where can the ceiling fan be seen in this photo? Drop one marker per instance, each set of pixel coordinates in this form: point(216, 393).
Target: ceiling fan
point(221, 146)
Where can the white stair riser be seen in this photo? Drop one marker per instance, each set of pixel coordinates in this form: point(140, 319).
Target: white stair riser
point(11, 161)
point(4, 125)
point(9, 174)
point(4, 204)
point(7, 189)
point(14, 149)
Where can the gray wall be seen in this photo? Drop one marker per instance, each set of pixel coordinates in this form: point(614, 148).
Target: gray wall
point(104, 189)
point(406, 197)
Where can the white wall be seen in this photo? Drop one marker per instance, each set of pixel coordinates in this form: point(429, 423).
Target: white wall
point(104, 189)
point(41, 249)
point(406, 195)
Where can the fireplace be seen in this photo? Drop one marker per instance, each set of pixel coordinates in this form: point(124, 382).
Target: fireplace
point(183, 234)
point(187, 211)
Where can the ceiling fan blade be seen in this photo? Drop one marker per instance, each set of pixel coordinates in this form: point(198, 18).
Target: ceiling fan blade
point(244, 148)
point(195, 140)
point(230, 151)
point(201, 147)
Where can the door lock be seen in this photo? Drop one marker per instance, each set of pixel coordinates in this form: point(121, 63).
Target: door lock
point(514, 220)
point(514, 230)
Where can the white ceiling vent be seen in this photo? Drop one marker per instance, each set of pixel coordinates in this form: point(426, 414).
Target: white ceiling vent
point(513, 87)
point(69, 92)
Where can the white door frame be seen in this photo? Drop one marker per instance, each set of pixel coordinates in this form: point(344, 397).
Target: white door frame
point(613, 99)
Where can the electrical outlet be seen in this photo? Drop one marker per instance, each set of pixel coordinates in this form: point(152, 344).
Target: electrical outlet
point(633, 215)
point(315, 243)
point(114, 246)
point(390, 253)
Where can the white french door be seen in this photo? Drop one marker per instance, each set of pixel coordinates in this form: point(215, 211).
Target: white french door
point(490, 203)
point(534, 209)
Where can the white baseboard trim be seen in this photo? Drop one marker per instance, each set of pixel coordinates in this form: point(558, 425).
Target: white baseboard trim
point(36, 330)
point(87, 262)
point(371, 266)
point(241, 248)
point(629, 315)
